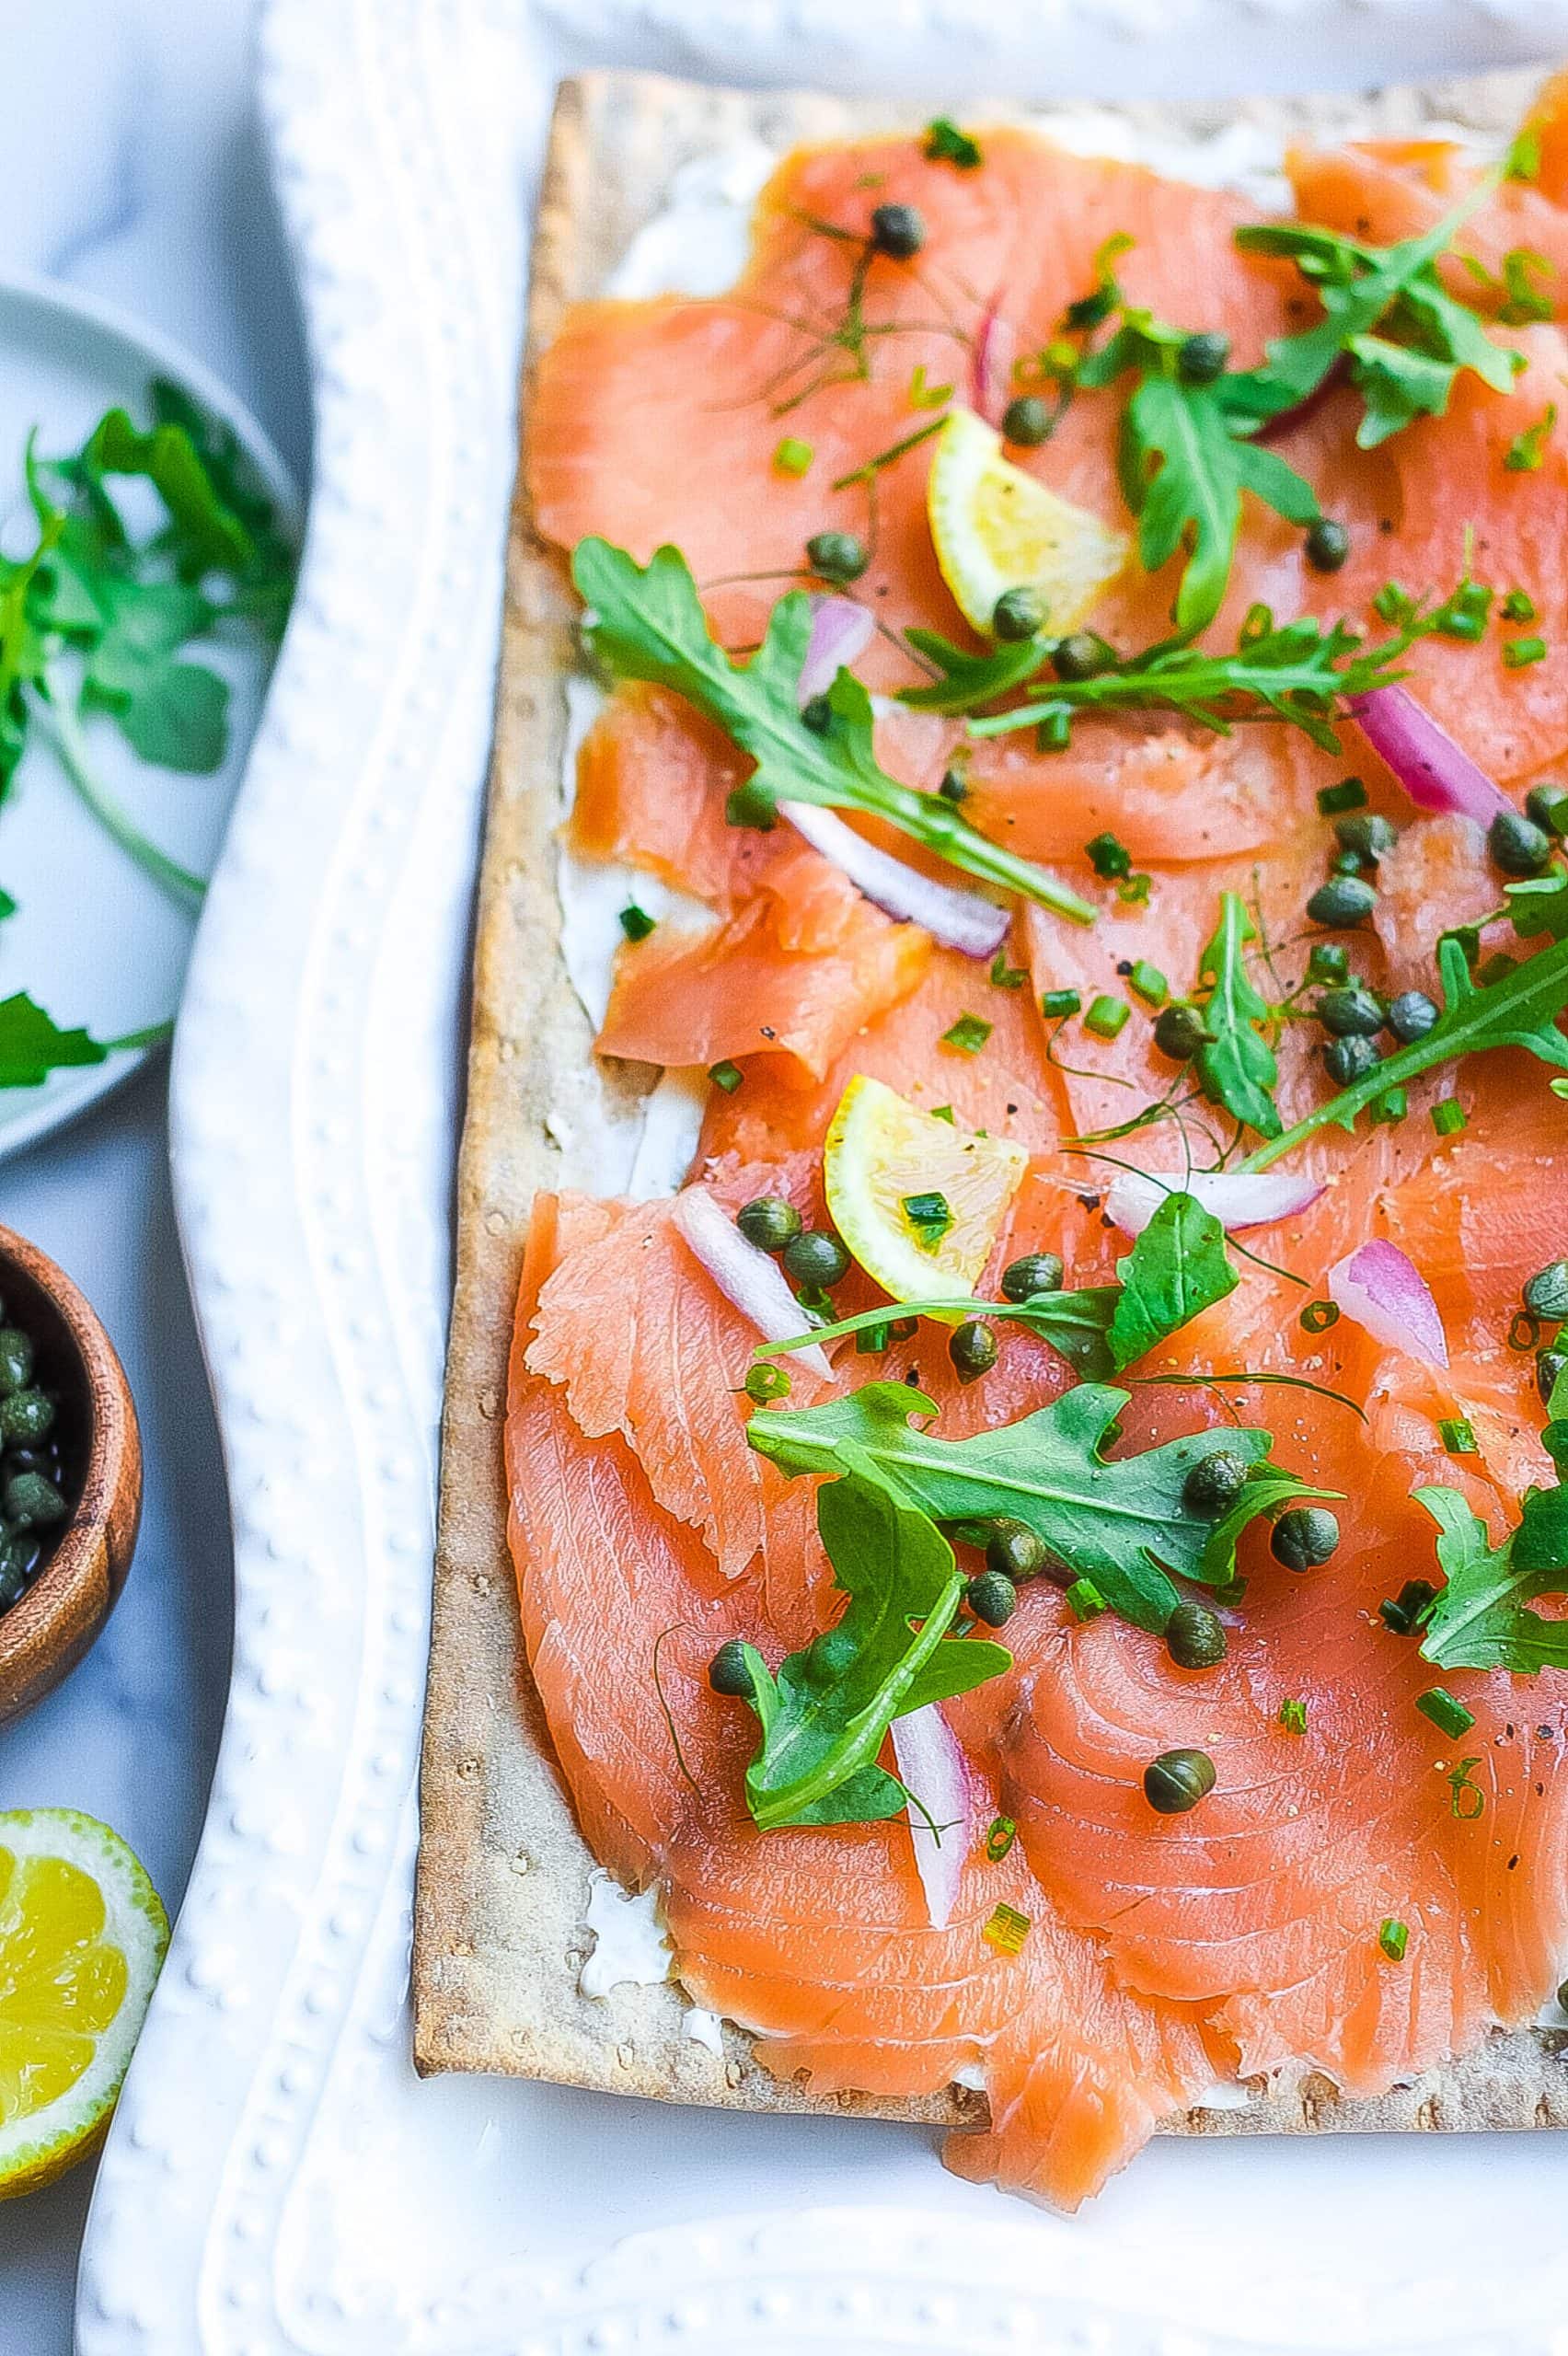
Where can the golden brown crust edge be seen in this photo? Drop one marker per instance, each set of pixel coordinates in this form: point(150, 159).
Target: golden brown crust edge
point(503, 1872)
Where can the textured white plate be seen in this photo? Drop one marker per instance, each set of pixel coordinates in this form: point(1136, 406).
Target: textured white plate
point(277, 2183)
point(94, 940)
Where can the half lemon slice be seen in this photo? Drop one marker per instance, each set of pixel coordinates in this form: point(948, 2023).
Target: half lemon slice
point(995, 527)
point(81, 1937)
point(918, 1201)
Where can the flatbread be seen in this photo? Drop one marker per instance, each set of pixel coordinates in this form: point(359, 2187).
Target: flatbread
point(504, 1873)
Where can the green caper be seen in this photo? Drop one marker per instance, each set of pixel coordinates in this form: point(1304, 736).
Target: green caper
point(1027, 422)
point(770, 1222)
point(1366, 833)
point(1215, 1481)
point(992, 1597)
point(1550, 1365)
point(1177, 1780)
point(1517, 845)
point(729, 1672)
point(829, 1655)
point(837, 556)
point(1036, 1272)
point(1178, 1031)
point(1351, 1014)
point(1202, 358)
point(16, 1359)
point(954, 786)
point(816, 713)
point(1348, 1060)
point(30, 1500)
point(815, 1259)
point(973, 1349)
point(1350, 862)
point(1327, 961)
point(1304, 1537)
point(25, 1418)
point(898, 231)
point(1327, 545)
point(1545, 1296)
point(1083, 654)
point(1411, 1015)
point(1014, 1550)
point(1195, 1637)
point(1343, 901)
point(1548, 805)
point(1017, 613)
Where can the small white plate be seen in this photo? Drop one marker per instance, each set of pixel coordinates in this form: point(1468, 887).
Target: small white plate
point(95, 941)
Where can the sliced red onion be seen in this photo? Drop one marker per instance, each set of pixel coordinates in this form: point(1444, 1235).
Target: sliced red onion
point(1436, 773)
point(841, 631)
point(748, 1278)
point(933, 1765)
point(1236, 1197)
point(963, 920)
point(987, 355)
point(1383, 1290)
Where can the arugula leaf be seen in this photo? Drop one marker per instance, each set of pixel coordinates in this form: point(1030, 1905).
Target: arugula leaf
point(32, 1045)
point(207, 535)
point(1518, 1010)
point(176, 715)
point(1539, 905)
point(1123, 1523)
point(969, 680)
point(647, 623)
point(1481, 1618)
point(1178, 1268)
point(826, 1709)
point(1235, 1067)
point(1076, 1324)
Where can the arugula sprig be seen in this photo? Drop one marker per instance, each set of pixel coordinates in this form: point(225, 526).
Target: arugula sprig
point(1236, 1066)
point(1481, 1618)
point(647, 623)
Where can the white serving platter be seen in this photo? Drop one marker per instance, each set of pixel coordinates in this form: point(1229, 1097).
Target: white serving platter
point(94, 939)
point(277, 2181)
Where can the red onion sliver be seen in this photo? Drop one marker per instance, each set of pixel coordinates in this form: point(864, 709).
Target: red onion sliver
point(1236, 1197)
point(932, 1764)
point(1436, 773)
point(985, 361)
point(1384, 1291)
point(748, 1278)
point(841, 631)
point(963, 920)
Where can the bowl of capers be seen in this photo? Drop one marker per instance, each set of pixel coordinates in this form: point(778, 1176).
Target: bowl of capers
point(70, 1475)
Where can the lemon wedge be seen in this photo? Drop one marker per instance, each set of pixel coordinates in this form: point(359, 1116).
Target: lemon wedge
point(917, 1201)
point(995, 527)
point(81, 1937)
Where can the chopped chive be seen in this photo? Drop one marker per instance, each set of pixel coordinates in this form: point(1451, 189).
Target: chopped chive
point(1518, 607)
point(929, 1216)
point(945, 143)
point(1318, 1316)
point(1523, 162)
point(1054, 732)
point(1107, 1017)
point(1133, 890)
point(1447, 1715)
point(1449, 1118)
point(942, 1113)
point(1292, 1716)
point(1150, 983)
point(1520, 651)
point(766, 1383)
point(1465, 614)
point(1393, 1938)
point(1457, 1436)
point(1525, 451)
point(1006, 1931)
point(924, 396)
point(1108, 856)
point(726, 1075)
point(1085, 1601)
point(1524, 1333)
point(1063, 1002)
point(1390, 1108)
point(793, 456)
point(1006, 976)
point(1349, 794)
point(635, 922)
point(1403, 1611)
point(1000, 1835)
point(1467, 1800)
point(968, 1035)
point(874, 1340)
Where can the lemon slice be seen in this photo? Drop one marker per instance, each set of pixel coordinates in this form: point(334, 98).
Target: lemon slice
point(884, 1155)
point(82, 1937)
point(994, 528)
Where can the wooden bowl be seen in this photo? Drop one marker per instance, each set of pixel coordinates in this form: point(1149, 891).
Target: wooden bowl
point(45, 1634)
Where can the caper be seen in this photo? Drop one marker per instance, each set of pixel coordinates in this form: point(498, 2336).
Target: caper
point(1365, 832)
point(1202, 358)
point(729, 1671)
point(1083, 654)
point(1178, 1031)
point(1327, 961)
point(26, 1416)
point(816, 714)
point(837, 556)
point(1550, 1365)
point(815, 1259)
point(1195, 1637)
point(1327, 545)
point(31, 1498)
point(1036, 1272)
point(973, 1349)
point(1517, 845)
point(16, 1563)
point(829, 1655)
point(898, 231)
point(1215, 1481)
point(1545, 1296)
point(16, 1359)
point(1350, 862)
point(1017, 613)
point(1026, 420)
point(1304, 1537)
point(992, 1597)
point(770, 1222)
point(1178, 1780)
point(1411, 1015)
point(1351, 1012)
point(954, 786)
point(1548, 805)
point(1014, 1550)
point(1348, 1060)
point(1343, 900)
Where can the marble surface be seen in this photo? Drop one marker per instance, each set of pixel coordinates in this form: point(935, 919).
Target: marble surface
point(133, 170)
